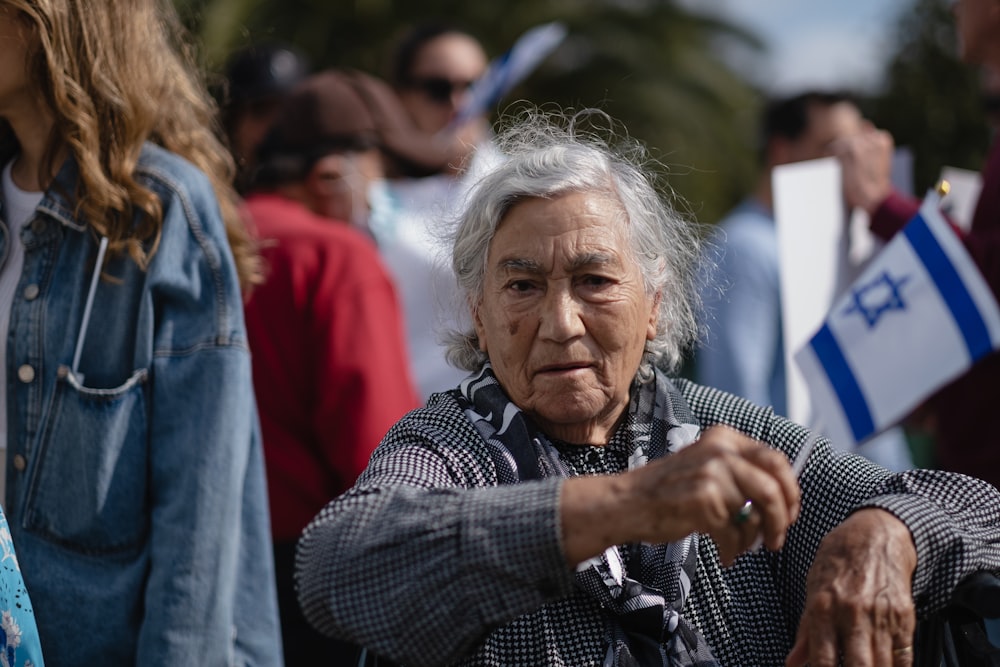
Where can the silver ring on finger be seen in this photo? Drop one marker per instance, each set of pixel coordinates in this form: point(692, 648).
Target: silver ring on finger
point(742, 515)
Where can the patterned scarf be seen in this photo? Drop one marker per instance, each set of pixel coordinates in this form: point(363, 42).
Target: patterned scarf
point(645, 600)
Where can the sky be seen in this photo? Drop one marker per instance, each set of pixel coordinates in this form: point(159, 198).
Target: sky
point(815, 43)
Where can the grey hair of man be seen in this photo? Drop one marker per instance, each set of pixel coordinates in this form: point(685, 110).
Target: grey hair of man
point(549, 156)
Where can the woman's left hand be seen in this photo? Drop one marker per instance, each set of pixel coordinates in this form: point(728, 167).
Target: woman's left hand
point(859, 600)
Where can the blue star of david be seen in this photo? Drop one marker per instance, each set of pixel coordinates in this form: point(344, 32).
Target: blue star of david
point(879, 296)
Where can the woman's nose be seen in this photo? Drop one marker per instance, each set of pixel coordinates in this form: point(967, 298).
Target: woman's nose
point(562, 317)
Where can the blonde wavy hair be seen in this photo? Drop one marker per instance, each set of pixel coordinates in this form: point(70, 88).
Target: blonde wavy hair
point(117, 73)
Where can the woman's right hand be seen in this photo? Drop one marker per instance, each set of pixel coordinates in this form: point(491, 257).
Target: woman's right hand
point(699, 489)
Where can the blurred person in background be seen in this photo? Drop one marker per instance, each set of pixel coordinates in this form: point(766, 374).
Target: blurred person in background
point(744, 350)
point(330, 364)
point(433, 67)
point(963, 412)
point(135, 491)
point(434, 64)
point(257, 77)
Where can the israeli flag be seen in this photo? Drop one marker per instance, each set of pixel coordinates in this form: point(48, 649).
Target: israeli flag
point(918, 316)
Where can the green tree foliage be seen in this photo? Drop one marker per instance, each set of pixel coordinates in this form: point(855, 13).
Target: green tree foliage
point(932, 102)
point(650, 64)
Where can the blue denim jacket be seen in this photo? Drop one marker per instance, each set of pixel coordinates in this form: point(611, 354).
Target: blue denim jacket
point(135, 483)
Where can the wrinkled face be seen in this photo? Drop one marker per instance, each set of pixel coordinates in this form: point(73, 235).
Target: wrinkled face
point(440, 76)
point(978, 25)
point(564, 316)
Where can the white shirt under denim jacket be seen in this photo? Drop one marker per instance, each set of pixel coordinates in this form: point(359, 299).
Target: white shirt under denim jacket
point(135, 484)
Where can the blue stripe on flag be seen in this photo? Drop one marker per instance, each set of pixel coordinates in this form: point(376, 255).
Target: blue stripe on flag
point(950, 285)
point(844, 383)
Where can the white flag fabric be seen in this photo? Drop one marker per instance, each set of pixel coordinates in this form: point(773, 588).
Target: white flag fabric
point(917, 317)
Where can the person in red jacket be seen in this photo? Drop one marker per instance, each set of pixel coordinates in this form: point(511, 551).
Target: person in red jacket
point(963, 413)
point(330, 366)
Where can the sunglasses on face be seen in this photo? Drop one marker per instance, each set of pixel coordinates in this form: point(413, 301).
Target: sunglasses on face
point(440, 89)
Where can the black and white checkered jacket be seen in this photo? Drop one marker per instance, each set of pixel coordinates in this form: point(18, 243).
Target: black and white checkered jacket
point(428, 561)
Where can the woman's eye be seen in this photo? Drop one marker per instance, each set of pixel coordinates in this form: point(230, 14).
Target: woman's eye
point(596, 281)
point(520, 285)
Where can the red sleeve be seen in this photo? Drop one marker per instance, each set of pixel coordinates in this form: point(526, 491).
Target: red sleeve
point(362, 383)
point(893, 214)
point(984, 246)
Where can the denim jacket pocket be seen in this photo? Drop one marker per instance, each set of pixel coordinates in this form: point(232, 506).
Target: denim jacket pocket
point(88, 488)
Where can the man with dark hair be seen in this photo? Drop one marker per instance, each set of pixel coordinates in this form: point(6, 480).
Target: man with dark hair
point(330, 366)
point(795, 119)
point(744, 352)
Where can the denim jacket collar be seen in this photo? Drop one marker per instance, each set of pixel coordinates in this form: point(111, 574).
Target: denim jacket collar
point(58, 202)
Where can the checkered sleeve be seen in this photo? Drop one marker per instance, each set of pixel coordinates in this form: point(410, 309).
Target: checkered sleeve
point(427, 560)
point(954, 523)
point(954, 519)
point(426, 555)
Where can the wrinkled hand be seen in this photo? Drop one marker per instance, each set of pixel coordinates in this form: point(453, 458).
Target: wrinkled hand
point(859, 601)
point(866, 161)
point(699, 489)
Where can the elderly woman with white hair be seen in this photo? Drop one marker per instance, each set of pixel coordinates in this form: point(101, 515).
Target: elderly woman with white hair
point(571, 504)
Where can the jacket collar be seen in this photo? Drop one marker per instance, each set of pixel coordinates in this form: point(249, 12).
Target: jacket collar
point(60, 198)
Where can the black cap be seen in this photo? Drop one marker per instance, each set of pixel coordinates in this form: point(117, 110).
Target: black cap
point(264, 70)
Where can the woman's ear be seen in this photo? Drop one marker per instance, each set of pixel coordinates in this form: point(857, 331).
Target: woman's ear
point(477, 322)
point(652, 327)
